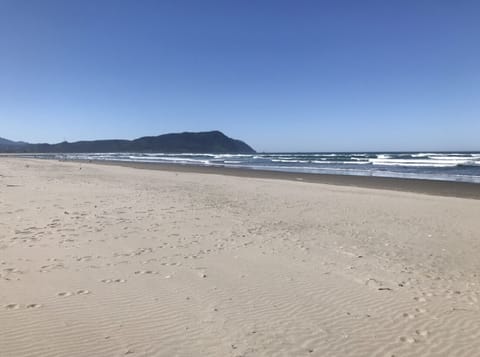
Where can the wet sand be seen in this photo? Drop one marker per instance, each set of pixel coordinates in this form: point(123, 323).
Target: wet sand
point(430, 187)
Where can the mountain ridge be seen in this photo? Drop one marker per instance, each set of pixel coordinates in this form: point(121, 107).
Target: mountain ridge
point(7, 142)
point(191, 142)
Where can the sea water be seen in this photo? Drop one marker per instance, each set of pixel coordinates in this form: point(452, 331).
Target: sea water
point(447, 166)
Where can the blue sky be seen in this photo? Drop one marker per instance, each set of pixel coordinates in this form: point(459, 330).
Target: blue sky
point(281, 75)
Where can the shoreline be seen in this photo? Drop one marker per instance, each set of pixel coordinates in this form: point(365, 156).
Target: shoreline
point(429, 187)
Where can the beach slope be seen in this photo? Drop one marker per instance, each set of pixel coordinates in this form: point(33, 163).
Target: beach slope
point(103, 260)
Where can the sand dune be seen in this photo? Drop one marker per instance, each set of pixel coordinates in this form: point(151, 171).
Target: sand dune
point(113, 261)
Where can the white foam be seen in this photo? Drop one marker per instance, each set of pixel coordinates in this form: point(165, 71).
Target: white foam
point(416, 162)
point(290, 161)
point(380, 164)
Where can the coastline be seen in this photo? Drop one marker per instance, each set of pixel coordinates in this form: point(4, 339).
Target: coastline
point(428, 187)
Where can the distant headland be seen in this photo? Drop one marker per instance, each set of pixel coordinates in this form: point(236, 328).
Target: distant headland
point(187, 142)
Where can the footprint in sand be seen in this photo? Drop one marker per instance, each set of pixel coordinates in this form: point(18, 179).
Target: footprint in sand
point(376, 284)
point(64, 294)
point(84, 259)
point(408, 339)
point(421, 311)
point(109, 281)
point(422, 333)
point(18, 306)
point(78, 292)
point(141, 272)
point(420, 299)
point(33, 306)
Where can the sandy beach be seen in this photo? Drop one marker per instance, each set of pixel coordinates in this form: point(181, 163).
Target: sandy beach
point(107, 260)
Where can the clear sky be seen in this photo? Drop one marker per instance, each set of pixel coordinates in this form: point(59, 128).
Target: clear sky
point(281, 75)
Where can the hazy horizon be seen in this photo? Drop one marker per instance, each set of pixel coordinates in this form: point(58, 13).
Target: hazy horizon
point(259, 151)
point(282, 76)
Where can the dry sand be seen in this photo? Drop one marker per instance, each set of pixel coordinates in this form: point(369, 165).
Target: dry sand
point(113, 261)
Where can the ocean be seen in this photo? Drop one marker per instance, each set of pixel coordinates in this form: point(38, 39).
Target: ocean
point(445, 166)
